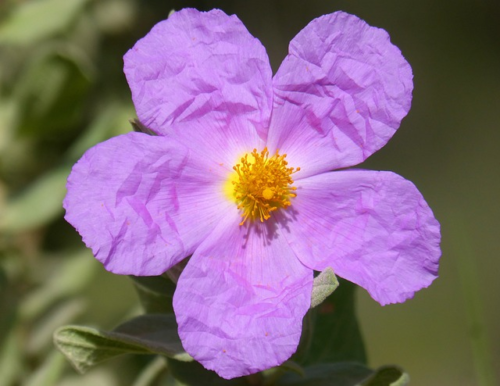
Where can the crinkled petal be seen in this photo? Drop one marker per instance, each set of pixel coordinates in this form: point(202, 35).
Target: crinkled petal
point(339, 95)
point(143, 203)
point(241, 299)
point(201, 75)
point(373, 228)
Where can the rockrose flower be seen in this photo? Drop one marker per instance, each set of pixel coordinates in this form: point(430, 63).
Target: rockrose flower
point(239, 176)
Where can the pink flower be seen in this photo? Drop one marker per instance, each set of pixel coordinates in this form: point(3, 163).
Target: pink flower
point(257, 231)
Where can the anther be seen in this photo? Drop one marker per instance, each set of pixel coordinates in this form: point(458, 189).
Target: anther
point(263, 184)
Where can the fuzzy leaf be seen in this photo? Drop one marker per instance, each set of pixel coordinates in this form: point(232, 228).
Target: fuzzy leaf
point(146, 334)
point(324, 285)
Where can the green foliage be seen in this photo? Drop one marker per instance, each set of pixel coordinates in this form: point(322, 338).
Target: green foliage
point(190, 374)
point(324, 285)
point(151, 372)
point(155, 293)
point(346, 374)
point(70, 279)
point(332, 337)
point(52, 91)
point(111, 119)
point(332, 330)
point(49, 372)
point(387, 376)
point(38, 204)
point(148, 334)
point(51, 111)
point(338, 374)
point(34, 21)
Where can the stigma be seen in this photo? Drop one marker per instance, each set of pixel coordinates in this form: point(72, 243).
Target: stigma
point(262, 184)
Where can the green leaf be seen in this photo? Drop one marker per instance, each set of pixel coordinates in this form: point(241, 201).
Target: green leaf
point(111, 119)
point(34, 21)
point(332, 331)
point(151, 372)
point(155, 293)
point(9, 300)
point(51, 91)
point(71, 277)
point(140, 128)
point(49, 372)
point(292, 366)
point(192, 373)
point(147, 334)
point(334, 374)
point(324, 285)
point(41, 335)
point(387, 376)
point(38, 204)
point(9, 111)
point(11, 358)
point(346, 374)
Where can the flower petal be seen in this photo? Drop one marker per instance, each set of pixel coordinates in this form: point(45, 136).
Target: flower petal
point(241, 299)
point(201, 75)
point(339, 95)
point(373, 228)
point(143, 203)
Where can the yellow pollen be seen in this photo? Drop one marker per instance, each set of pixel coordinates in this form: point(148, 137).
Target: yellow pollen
point(267, 194)
point(261, 184)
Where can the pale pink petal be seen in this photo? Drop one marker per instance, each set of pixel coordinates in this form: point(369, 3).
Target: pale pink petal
point(143, 203)
point(373, 228)
point(339, 95)
point(241, 299)
point(201, 78)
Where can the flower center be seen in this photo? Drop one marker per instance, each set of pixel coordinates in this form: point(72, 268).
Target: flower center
point(262, 184)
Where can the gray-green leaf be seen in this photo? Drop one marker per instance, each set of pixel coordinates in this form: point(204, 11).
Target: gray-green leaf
point(147, 334)
point(324, 285)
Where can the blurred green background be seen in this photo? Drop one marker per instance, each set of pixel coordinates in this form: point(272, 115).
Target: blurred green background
point(62, 90)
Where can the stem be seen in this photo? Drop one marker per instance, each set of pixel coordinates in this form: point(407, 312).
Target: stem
point(474, 307)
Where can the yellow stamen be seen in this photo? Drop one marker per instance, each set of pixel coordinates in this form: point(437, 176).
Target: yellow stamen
point(261, 184)
point(267, 193)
